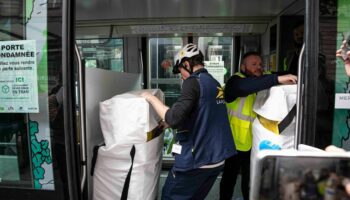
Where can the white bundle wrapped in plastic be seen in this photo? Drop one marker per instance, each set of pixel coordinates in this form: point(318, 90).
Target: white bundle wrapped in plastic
point(273, 106)
point(133, 149)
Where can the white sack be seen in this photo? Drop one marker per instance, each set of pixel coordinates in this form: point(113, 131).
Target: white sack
point(125, 118)
point(113, 165)
point(273, 104)
point(265, 139)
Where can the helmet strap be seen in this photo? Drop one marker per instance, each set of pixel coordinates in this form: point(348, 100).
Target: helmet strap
point(185, 68)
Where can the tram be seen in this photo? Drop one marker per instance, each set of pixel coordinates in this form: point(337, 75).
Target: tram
point(60, 58)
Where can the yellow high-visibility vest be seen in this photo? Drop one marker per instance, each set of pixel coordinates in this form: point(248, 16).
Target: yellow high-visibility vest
point(241, 117)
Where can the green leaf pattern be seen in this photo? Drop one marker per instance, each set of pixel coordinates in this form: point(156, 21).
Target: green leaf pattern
point(40, 154)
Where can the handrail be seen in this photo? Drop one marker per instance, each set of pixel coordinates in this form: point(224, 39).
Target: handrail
point(299, 93)
point(81, 118)
point(142, 68)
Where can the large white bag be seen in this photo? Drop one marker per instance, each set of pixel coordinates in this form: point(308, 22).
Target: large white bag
point(113, 165)
point(273, 104)
point(126, 123)
point(126, 117)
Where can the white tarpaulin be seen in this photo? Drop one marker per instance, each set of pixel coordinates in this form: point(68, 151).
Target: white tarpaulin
point(126, 121)
point(273, 104)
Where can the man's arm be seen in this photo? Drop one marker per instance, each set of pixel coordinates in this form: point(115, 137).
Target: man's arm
point(158, 106)
point(186, 103)
point(182, 108)
point(242, 87)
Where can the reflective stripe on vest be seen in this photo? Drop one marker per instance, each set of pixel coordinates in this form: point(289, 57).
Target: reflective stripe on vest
point(285, 65)
point(241, 116)
point(238, 113)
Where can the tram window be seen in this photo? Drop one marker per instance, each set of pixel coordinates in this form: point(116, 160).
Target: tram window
point(102, 53)
point(91, 63)
point(161, 57)
point(29, 134)
point(218, 56)
point(11, 146)
point(162, 53)
point(171, 91)
point(332, 122)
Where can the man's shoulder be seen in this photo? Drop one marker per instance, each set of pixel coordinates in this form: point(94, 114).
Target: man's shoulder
point(190, 82)
point(235, 76)
point(191, 79)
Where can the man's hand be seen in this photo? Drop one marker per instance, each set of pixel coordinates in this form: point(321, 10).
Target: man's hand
point(158, 106)
point(345, 57)
point(164, 124)
point(287, 79)
point(339, 52)
point(146, 95)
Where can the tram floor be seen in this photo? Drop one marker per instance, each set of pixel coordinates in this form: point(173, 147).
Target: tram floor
point(214, 192)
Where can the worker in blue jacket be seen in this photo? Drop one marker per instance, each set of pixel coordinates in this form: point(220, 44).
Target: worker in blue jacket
point(203, 136)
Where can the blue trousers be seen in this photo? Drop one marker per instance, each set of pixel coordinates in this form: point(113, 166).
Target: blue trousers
point(193, 184)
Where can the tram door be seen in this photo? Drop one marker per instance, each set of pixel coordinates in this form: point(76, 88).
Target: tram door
point(162, 50)
point(36, 112)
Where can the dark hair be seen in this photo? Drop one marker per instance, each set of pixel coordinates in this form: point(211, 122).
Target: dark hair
point(195, 60)
point(250, 53)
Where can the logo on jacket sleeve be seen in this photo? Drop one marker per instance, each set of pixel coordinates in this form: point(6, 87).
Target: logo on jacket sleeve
point(220, 96)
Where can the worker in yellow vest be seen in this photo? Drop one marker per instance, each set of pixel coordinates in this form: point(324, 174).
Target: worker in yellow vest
point(240, 92)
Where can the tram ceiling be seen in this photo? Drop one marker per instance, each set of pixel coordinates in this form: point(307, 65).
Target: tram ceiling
point(180, 11)
point(117, 18)
point(171, 30)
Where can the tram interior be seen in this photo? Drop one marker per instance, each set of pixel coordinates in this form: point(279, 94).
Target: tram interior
point(129, 45)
